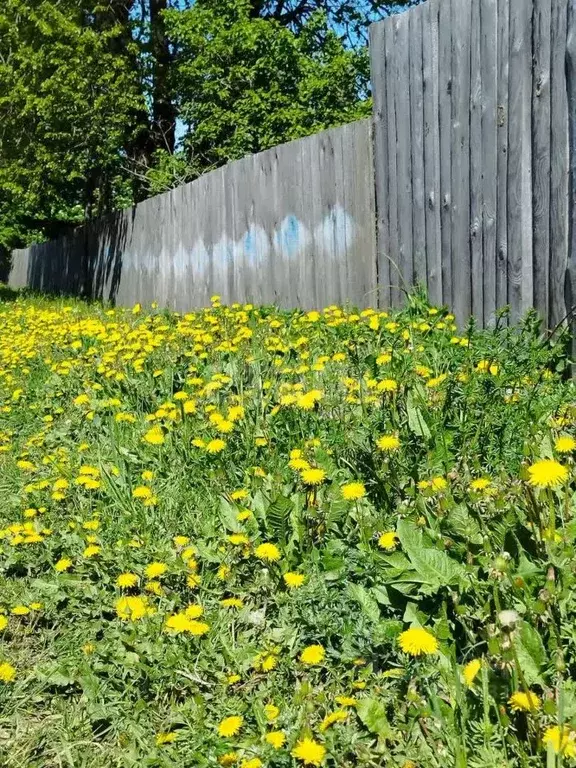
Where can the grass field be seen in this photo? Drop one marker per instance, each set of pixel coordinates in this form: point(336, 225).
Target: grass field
point(256, 538)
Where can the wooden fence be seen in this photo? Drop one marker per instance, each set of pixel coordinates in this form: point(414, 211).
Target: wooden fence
point(474, 191)
point(293, 226)
point(473, 172)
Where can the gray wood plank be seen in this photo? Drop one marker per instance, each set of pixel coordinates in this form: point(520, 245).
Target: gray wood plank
point(403, 149)
point(520, 277)
point(393, 236)
point(417, 144)
point(476, 167)
point(559, 169)
point(432, 200)
point(541, 154)
point(489, 69)
point(460, 210)
point(502, 158)
point(378, 64)
point(445, 110)
point(570, 289)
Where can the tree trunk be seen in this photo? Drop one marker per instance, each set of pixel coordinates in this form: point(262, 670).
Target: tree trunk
point(163, 108)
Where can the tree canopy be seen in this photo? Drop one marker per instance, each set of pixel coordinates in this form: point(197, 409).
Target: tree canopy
point(104, 102)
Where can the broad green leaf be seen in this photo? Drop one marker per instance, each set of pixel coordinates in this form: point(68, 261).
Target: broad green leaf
point(416, 420)
point(228, 516)
point(367, 603)
point(372, 714)
point(531, 654)
point(464, 525)
point(433, 567)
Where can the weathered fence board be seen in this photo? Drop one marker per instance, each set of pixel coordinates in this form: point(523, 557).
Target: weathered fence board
point(492, 96)
point(464, 180)
point(293, 225)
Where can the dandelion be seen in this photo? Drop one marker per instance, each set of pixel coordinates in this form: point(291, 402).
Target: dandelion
point(276, 739)
point(7, 672)
point(353, 491)
point(3, 622)
point(524, 701)
point(562, 740)
point(253, 762)
point(230, 726)
point(480, 484)
point(310, 752)
point(154, 436)
point(142, 492)
point(293, 580)
point(313, 476)
point(471, 670)
point(312, 655)
point(565, 444)
point(154, 570)
point(127, 580)
point(63, 564)
point(388, 443)
point(228, 758)
point(215, 446)
point(232, 602)
point(346, 701)
point(238, 539)
point(268, 552)
point(334, 717)
point(166, 738)
point(20, 610)
point(417, 641)
point(132, 608)
point(547, 473)
point(91, 551)
point(388, 540)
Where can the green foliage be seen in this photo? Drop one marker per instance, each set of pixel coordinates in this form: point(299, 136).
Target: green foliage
point(107, 418)
point(68, 103)
point(245, 84)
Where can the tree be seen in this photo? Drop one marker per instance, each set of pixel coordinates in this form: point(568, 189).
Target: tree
point(245, 84)
point(70, 104)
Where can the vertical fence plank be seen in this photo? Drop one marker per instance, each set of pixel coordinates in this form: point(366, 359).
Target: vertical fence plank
point(502, 159)
point(460, 185)
point(541, 154)
point(378, 66)
point(476, 167)
point(520, 277)
point(432, 149)
point(570, 292)
point(416, 87)
point(559, 170)
point(488, 59)
point(445, 108)
point(403, 149)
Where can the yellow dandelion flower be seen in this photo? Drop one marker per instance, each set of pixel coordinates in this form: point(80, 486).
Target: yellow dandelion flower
point(20, 610)
point(353, 491)
point(142, 492)
point(3, 622)
point(194, 611)
point(238, 539)
point(346, 701)
point(388, 540)
point(276, 739)
point(334, 717)
point(268, 552)
point(480, 484)
point(228, 758)
point(313, 654)
point(524, 701)
point(63, 564)
point(232, 602)
point(313, 476)
point(416, 641)
point(547, 473)
point(154, 436)
point(565, 444)
point(388, 443)
point(91, 551)
point(294, 580)
point(132, 608)
point(561, 739)
point(253, 762)
point(215, 446)
point(7, 672)
point(471, 670)
point(126, 580)
point(310, 752)
point(166, 738)
point(230, 726)
point(154, 570)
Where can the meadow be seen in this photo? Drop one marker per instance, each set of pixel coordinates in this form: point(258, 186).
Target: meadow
point(249, 537)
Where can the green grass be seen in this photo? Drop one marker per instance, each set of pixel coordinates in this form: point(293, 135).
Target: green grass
point(81, 386)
